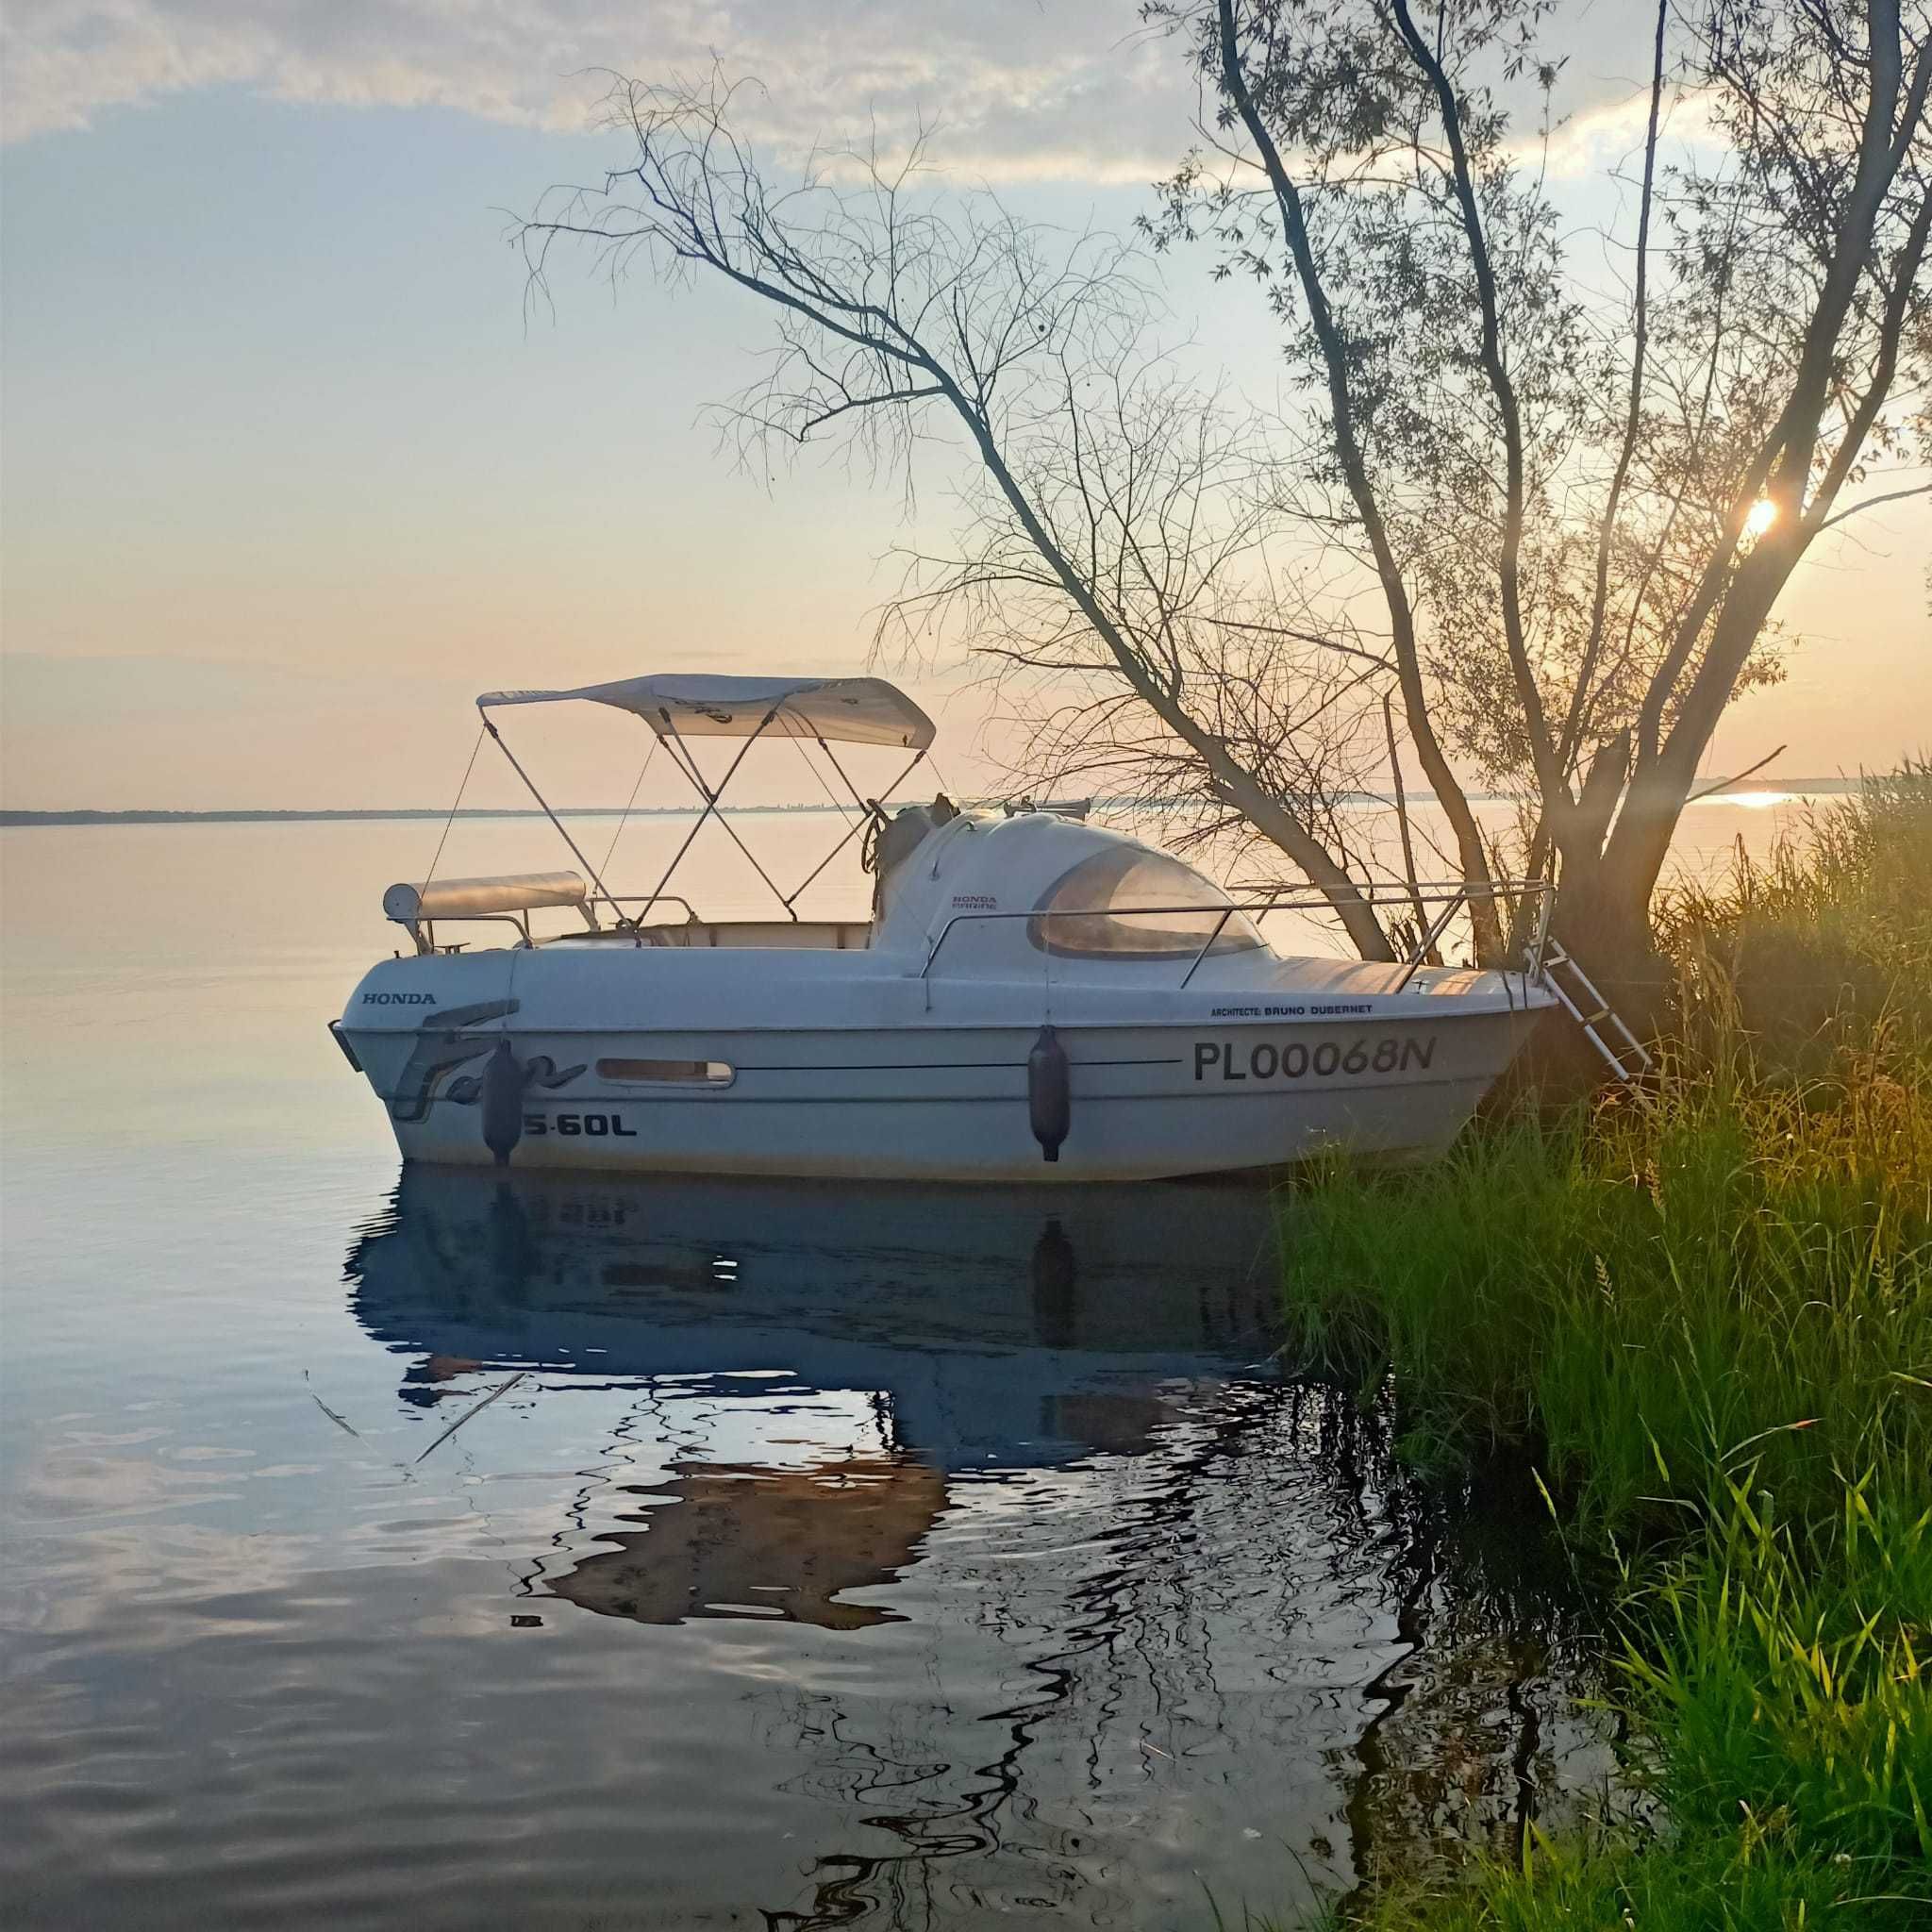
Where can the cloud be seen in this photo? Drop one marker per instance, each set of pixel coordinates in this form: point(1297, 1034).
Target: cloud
point(1019, 89)
point(1022, 89)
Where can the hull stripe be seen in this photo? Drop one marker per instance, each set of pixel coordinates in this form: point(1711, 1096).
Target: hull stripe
point(1278, 1089)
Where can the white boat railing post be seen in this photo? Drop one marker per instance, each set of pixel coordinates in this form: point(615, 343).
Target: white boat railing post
point(1426, 944)
point(1208, 946)
point(1546, 900)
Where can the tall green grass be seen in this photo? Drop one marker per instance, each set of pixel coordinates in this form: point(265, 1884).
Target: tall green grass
point(1647, 1299)
point(1777, 1679)
point(1707, 1322)
point(1802, 950)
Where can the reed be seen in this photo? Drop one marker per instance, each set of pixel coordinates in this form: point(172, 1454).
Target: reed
point(1776, 1678)
point(1740, 1277)
point(1708, 1324)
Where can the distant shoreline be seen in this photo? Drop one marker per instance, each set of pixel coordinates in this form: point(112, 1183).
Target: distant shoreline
point(374, 815)
point(1825, 786)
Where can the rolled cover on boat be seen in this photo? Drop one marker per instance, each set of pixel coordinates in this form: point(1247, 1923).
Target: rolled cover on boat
point(519, 892)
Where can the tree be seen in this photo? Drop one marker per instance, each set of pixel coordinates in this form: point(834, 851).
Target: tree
point(1578, 504)
point(1114, 516)
point(1549, 516)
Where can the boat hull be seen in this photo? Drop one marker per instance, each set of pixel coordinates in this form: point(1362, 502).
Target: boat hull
point(936, 1103)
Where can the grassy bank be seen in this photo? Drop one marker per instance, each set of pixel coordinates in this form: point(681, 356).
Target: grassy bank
point(1708, 1324)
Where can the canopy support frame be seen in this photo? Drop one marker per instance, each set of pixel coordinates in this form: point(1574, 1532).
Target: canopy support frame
point(530, 785)
point(868, 805)
point(681, 757)
point(664, 727)
point(869, 809)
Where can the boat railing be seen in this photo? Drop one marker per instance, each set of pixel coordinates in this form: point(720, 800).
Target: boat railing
point(1534, 896)
point(423, 927)
point(644, 902)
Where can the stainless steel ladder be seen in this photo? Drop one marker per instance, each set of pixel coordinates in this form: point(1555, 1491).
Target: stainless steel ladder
point(1622, 1053)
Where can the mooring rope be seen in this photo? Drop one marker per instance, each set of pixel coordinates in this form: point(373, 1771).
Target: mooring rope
point(838, 804)
point(625, 819)
point(453, 803)
point(939, 775)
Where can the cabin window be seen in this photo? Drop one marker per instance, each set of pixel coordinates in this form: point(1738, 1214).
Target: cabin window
point(668, 1072)
point(1129, 903)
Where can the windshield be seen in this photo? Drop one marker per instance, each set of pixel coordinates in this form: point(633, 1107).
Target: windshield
point(1090, 912)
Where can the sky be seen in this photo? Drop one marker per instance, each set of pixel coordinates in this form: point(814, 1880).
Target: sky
point(287, 473)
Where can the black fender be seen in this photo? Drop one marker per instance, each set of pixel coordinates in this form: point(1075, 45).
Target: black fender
point(1049, 1092)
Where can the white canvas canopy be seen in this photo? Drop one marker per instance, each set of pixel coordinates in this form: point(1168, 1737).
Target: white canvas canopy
point(844, 710)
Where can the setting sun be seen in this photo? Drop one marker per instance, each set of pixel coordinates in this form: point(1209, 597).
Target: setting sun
point(1760, 518)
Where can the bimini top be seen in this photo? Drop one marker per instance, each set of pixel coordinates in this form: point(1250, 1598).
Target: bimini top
point(850, 711)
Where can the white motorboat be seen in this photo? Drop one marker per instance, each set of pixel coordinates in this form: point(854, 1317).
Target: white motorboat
point(1035, 998)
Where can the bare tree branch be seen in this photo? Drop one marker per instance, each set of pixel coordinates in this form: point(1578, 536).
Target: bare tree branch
point(1873, 502)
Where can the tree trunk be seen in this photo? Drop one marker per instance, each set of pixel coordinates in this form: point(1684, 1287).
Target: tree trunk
point(1603, 920)
point(1608, 932)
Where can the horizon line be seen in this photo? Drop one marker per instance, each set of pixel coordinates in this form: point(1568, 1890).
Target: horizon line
point(135, 815)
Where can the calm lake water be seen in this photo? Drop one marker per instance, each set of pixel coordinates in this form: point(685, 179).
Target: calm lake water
point(823, 1555)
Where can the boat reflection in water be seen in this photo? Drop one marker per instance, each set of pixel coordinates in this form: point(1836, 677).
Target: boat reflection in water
point(1067, 1593)
point(995, 1327)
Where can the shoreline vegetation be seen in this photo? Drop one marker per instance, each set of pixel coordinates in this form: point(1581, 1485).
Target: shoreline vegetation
point(1818, 788)
point(1706, 1324)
